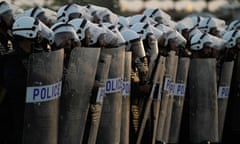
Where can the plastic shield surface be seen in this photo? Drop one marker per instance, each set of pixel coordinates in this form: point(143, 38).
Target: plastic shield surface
point(43, 92)
point(110, 124)
point(203, 117)
point(75, 100)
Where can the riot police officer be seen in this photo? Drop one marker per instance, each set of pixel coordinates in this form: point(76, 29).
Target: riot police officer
point(6, 21)
point(14, 75)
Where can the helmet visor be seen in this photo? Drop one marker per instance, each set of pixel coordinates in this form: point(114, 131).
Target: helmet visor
point(64, 36)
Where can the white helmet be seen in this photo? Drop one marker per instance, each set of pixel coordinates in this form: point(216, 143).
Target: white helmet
point(216, 42)
point(94, 8)
point(233, 25)
point(196, 19)
point(140, 18)
point(115, 30)
point(4, 7)
point(34, 12)
point(198, 41)
point(65, 11)
point(51, 15)
point(107, 16)
point(156, 13)
point(210, 22)
point(181, 41)
point(143, 29)
point(27, 27)
point(185, 23)
point(68, 29)
point(46, 32)
point(80, 26)
point(95, 31)
point(193, 31)
point(123, 21)
point(231, 38)
point(134, 43)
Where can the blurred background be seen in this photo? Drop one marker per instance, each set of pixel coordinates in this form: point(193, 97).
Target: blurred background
point(224, 9)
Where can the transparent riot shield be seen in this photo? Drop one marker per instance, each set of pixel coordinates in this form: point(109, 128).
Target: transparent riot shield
point(223, 94)
point(98, 96)
point(125, 122)
point(75, 100)
point(110, 123)
point(178, 99)
point(164, 120)
point(43, 91)
point(203, 111)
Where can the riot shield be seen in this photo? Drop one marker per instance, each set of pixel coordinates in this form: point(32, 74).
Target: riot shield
point(110, 123)
point(125, 122)
point(203, 112)
point(75, 100)
point(178, 99)
point(98, 96)
point(167, 98)
point(43, 90)
point(157, 98)
point(223, 93)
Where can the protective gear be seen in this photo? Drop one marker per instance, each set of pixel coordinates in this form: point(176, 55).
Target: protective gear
point(198, 41)
point(31, 28)
point(4, 7)
point(124, 21)
point(27, 27)
point(39, 12)
point(62, 32)
point(181, 41)
point(100, 34)
point(69, 12)
point(139, 18)
point(134, 43)
point(234, 25)
point(203, 104)
point(114, 29)
point(42, 76)
point(231, 38)
point(80, 26)
point(6, 15)
point(51, 15)
point(34, 12)
point(17, 11)
point(76, 92)
point(183, 24)
point(107, 16)
point(193, 31)
point(196, 20)
point(209, 23)
point(110, 123)
point(94, 8)
point(143, 29)
point(156, 14)
point(163, 28)
point(216, 42)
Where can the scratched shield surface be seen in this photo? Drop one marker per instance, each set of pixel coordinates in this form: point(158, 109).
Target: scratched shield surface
point(77, 90)
point(43, 91)
point(110, 123)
